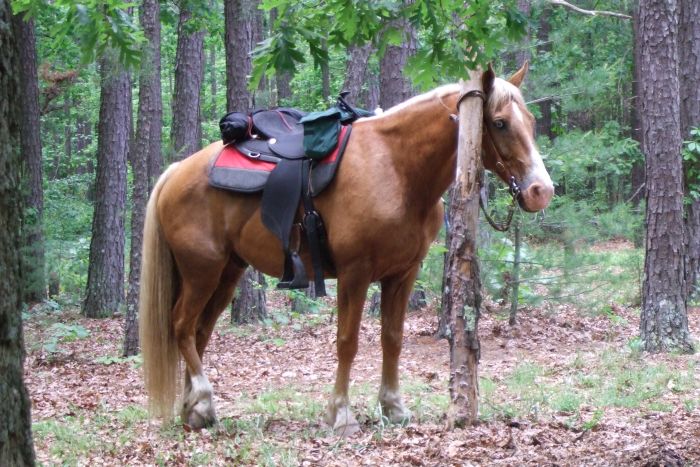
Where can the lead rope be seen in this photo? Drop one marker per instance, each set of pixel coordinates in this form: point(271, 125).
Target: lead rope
point(504, 226)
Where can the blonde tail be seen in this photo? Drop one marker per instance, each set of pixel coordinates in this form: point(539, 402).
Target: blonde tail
point(161, 356)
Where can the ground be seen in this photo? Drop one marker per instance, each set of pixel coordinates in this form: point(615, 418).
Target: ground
point(562, 388)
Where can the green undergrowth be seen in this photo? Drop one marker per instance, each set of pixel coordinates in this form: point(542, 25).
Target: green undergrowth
point(587, 384)
point(89, 434)
point(582, 275)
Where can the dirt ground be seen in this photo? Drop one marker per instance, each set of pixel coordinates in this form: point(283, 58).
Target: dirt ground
point(271, 384)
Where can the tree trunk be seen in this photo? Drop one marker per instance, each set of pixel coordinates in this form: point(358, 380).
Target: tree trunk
point(523, 54)
point(462, 297)
point(240, 29)
point(664, 320)
point(689, 54)
point(260, 98)
point(16, 446)
point(302, 300)
point(636, 194)
point(34, 278)
point(186, 133)
point(543, 125)
point(105, 285)
point(250, 305)
point(146, 146)
point(393, 87)
point(213, 111)
point(325, 76)
point(418, 299)
point(282, 78)
point(284, 88)
point(356, 72)
point(67, 134)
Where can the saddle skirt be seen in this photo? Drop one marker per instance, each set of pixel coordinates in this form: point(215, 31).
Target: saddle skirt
point(245, 167)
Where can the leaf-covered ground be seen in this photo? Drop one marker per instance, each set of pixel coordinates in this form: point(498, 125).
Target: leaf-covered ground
point(563, 388)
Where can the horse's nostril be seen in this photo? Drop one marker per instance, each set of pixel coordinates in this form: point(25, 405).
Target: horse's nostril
point(537, 196)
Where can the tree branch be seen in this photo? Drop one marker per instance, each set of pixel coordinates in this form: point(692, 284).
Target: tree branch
point(589, 12)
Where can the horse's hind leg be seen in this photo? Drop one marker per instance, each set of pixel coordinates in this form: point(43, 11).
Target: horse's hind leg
point(200, 278)
point(197, 405)
point(352, 290)
point(395, 294)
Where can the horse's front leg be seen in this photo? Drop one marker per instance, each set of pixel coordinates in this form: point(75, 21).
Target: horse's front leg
point(395, 294)
point(352, 290)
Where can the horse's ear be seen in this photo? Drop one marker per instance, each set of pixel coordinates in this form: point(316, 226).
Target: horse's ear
point(487, 79)
point(519, 76)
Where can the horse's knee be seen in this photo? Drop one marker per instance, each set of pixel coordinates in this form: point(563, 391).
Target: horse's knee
point(392, 341)
point(347, 347)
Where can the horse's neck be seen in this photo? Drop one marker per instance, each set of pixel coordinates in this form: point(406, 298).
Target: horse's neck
point(425, 138)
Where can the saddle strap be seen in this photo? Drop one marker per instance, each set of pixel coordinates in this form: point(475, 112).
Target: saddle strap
point(315, 233)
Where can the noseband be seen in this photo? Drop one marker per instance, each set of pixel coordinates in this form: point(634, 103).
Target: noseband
point(513, 187)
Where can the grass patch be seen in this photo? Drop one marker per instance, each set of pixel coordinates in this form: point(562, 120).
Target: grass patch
point(611, 379)
point(69, 440)
point(288, 403)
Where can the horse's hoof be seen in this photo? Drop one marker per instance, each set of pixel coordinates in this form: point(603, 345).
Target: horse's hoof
point(393, 408)
point(399, 415)
point(345, 424)
point(201, 416)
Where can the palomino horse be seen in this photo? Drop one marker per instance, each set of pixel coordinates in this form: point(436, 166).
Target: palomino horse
point(381, 212)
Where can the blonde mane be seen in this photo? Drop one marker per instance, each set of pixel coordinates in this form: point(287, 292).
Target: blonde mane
point(502, 93)
point(437, 93)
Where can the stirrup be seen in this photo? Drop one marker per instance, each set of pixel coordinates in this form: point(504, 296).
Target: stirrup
point(294, 273)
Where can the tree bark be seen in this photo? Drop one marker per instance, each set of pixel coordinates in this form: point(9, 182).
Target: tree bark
point(284, 88)
point(16, 448)
point(356, 72)
point(146, 147)
point(239, 40)
point(301, 301)
point(34, 264)
point(393, 87)
point(637, 175)
point(282, 78)
point(325, 76)
point(462, 296)
point(543, 125)
point(105, 285)
point(186, 133)
point(213, 111)
point(664, 320)
point(250, 305)
point(689, 54)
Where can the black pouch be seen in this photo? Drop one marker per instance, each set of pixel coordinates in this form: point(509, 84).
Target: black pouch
point(234, 127)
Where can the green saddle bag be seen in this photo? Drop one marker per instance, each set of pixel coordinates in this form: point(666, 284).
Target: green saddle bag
point(321, 129)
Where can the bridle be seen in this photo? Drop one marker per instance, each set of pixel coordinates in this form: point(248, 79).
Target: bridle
point(501, 168)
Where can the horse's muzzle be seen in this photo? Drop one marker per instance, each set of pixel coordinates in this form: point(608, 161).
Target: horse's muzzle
point(536, 197)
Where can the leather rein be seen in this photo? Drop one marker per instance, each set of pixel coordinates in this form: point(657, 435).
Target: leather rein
point(513, 187)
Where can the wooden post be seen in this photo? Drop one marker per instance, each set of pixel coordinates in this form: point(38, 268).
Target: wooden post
point(462, 298)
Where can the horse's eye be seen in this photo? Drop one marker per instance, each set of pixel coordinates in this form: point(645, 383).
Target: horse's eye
point(500, 124)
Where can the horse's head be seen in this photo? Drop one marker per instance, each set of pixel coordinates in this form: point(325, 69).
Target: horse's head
point(509, 143)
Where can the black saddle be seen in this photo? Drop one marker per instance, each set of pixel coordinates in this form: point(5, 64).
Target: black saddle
point(282, 130)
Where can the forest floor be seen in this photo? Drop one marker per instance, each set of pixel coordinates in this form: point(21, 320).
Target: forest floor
point(562, 388)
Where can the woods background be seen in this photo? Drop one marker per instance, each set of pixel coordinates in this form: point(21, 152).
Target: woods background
point(103, 95)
